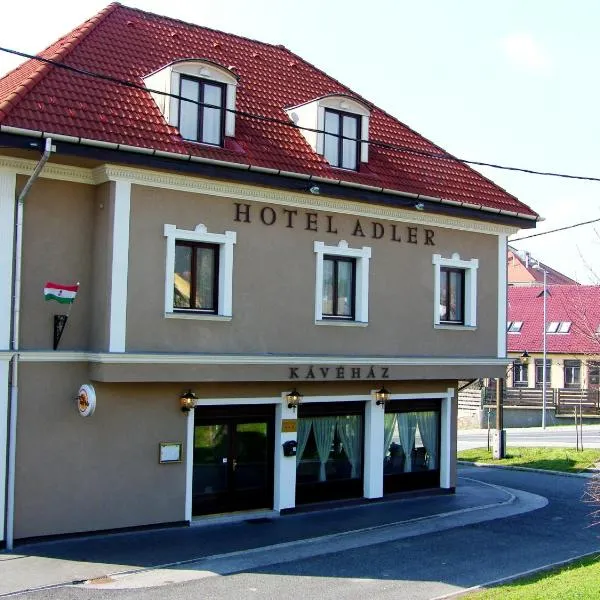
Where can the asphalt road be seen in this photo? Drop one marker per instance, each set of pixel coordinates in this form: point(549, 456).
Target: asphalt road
point(419, 568)
point(532, 436)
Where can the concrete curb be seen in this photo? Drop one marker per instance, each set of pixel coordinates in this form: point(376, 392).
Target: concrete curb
point(590, 475)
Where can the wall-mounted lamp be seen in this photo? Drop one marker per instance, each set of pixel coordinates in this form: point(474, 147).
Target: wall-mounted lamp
point(187, 401)
point(420, 206)
point(293, 398)
point(314, 189)
point(382, 396)
point(524, 358)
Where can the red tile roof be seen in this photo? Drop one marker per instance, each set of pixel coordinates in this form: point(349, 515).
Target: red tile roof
point(579, 304)
point(130, 44)
point(522, 272)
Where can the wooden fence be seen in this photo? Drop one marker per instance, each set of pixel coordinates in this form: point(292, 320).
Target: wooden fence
point(562, 400)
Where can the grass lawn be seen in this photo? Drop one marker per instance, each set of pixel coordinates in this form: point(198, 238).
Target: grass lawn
point(553, 459)
point(578, 581)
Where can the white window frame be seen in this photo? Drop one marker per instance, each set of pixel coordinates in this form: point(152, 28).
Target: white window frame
point(225, 241)
point(168, 78)
point(514, 326)
point(470, 309)
point(361, 300)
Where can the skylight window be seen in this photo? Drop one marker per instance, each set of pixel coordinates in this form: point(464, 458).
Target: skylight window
point(564, 327)
point(514, 326)
point(558, 327)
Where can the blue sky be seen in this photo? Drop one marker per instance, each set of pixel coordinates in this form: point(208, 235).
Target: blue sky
point(512, 82)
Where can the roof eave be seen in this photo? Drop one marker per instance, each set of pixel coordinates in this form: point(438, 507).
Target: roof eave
point(437, 204)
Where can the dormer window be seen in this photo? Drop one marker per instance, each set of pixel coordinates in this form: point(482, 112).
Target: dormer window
point(337, 127)
point(203, 119)
point(341, 145)
point(208, 117)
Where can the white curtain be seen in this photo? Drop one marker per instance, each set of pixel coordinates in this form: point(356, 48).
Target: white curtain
point(407, 425)
point(429, 434)
point(349, 431)
point(324, 430)
point(303, 433)
point(389, 424)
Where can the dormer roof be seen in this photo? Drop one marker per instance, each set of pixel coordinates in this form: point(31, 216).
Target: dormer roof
point(128, 44)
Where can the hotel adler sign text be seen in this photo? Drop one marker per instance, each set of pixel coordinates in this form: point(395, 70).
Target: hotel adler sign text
point(312, 221)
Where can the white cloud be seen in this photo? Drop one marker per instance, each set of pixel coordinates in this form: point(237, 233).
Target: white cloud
point(525, 52)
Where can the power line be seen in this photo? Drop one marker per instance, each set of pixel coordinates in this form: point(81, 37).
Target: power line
point(286, 123)
point(526, 237)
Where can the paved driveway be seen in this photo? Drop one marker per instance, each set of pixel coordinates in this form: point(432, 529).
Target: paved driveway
point(422, 567)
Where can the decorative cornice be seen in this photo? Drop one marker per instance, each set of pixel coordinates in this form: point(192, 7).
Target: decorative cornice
point(306, 201)
point(209, 187)
point(253, 359)
point(23, 166)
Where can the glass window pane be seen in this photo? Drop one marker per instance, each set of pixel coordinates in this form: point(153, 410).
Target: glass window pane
point(213, 94)
point(455, 308)
point(328, 289)
point(350, 127)
point(345, 298)
point(182, 277)
point(188, 112)
point(331, 448)
point(205, 273)
point(443, 295)
point(211, 126)
point(331, 150)
point(332, 122)
point(349, 154)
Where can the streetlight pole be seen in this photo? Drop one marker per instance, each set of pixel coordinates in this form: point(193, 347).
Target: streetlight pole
point(544, 359)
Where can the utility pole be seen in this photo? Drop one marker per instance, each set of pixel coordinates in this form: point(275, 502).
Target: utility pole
point(500, 434)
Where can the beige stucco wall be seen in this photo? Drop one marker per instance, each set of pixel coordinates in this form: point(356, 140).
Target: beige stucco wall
point(79, 474)
point(58, 235)
point(274, 284)
point(557, 373)
point(84, 474)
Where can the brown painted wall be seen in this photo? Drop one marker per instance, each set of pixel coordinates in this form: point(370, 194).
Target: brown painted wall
point(102, 260)
point(84, 474)
point(58, 236)
point(274, 285)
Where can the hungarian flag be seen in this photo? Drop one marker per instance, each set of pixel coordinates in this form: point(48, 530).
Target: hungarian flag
point(65, 294)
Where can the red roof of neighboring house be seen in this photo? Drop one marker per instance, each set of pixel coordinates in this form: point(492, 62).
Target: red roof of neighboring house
point(578, 304)
point(522, 272)
point(130, 44)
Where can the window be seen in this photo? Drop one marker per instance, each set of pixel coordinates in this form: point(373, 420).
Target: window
point(572, 373)
point(539, 372)
point(594, 373)
point(558, 327)
point(211, 89)
point(335, 126)
point(338, 287)
point(203, 119)
point(519, 373)
point(195, 283)
point(342, 284)
point(452, 295)
point(341, 143)
point(455, 291)
point(199, 273)
point(514, 326)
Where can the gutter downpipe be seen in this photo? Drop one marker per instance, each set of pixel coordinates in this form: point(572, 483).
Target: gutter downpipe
point(14, 371)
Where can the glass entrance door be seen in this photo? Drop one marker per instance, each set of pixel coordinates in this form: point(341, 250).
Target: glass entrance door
point(233, 463)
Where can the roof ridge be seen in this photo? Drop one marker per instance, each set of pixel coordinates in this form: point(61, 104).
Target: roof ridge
point(76, 35)
point(196, 26)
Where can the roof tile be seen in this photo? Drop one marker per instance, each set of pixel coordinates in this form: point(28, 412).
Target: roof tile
point(129, 44)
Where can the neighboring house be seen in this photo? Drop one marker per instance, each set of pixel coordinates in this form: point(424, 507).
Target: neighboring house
point(572, 333)
point(524, 270)
point(252, 248)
